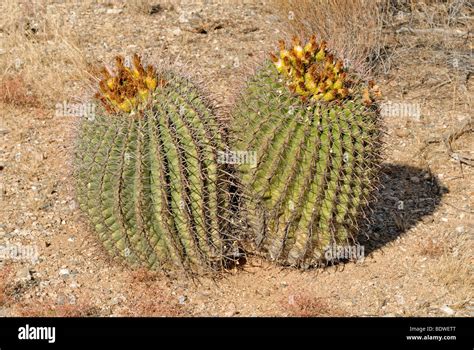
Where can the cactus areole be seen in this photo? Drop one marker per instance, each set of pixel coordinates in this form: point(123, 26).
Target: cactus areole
point(147, 172)
point(315, 130)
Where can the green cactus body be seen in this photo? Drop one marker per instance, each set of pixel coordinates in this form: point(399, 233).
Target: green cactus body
point(150, 182)
point(316, 167)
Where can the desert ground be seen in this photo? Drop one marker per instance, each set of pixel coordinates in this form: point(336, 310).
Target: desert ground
point(418, 246)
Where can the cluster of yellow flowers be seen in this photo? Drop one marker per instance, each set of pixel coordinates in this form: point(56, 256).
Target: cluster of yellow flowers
point(130, 87)
point(312, 71)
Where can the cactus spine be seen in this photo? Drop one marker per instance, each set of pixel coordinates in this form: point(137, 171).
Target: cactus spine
point(316, 135)
point(147, 172)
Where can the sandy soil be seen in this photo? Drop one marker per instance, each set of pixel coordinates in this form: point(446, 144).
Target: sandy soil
point(418, 248)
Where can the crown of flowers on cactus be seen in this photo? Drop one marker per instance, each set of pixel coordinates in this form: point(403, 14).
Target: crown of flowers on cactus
point(129, 87)
point(312, 72)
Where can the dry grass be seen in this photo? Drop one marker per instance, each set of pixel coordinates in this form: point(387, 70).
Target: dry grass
point(302, 305)
point(14, 91)
point(143, 275)
point(10, 297)
point(454, 265)
point(51, 310)
point(430, 23)
point(431, 248)
point(149, 300)
point(351, 27)
point(39, 44)
point(357, 29)
point(429, 13)
point(5, 275)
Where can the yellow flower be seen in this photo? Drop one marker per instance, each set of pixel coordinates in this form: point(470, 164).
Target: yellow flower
point(321, 55)
point(150, 83)
point(312, 71)
point(299, 52)
point(129, 87)
point(329, 96)
point(337, 85)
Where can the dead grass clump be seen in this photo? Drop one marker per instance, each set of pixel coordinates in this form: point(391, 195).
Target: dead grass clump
point(149, 298)
point(431, 249)
point(143, 275)
point(305, 306)
point(40, 44)
point(352, 28)
point(5, 275)
point(429, 13)
point(51, 310)
point(14, 91)
point(361, 31)
point(453, 267)
point(150, 301)
point(443, 27)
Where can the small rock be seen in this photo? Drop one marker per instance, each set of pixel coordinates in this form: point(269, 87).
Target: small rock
point(415, 179)
point(118, 300)
point(182, 299)
point(402, 132)
point(232, 310)
point(284, 284)
point(176, 31)
point(4, 312)
point(61, 300)
point(447, 310)
point(72, 205)
point(200, 308)
point(460, 229)
point(192, 17)
point(400, 299)
point(44, 284)
point(18, 63)
point(37, 156)
point(249, 30)
point(64, 272)
point(113, 11)
point(46, 206)
point(24, 274)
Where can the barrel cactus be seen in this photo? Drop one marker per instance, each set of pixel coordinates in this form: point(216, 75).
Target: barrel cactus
point(148, 175)
point(313, 128)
